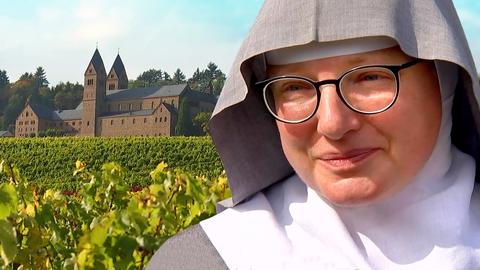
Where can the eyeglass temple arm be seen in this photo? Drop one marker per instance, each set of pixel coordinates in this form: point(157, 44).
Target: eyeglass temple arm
point(411, 63)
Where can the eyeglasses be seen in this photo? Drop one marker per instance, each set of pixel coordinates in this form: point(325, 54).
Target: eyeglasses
point(366, 90)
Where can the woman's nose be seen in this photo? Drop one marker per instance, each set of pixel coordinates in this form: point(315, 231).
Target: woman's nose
point(335, 119)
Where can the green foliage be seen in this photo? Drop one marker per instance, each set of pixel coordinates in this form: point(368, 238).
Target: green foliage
point(48, 161)
point(151, 77)
point(178, 77)
point(184, 122)
point(103, 225)
point(4, 81)
point(65, 96)
point(15, 106)
point(40, 77)
point(201, 121)
point(211, 77)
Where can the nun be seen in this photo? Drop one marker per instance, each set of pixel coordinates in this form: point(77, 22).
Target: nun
point(349, 131)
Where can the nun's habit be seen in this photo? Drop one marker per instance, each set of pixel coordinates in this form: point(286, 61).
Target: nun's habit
point(275, 221)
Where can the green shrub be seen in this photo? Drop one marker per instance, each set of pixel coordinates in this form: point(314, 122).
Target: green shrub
point(102, 225)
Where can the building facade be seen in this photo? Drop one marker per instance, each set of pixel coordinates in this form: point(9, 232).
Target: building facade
point(109, 108)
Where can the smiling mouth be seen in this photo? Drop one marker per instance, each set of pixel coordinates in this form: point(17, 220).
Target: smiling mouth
point(348, 160)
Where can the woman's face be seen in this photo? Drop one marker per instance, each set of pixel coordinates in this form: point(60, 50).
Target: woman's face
point(351, 158)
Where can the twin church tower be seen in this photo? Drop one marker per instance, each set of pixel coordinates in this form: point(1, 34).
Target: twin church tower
point(96, 81)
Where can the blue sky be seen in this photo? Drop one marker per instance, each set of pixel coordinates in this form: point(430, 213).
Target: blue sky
point(163, 34)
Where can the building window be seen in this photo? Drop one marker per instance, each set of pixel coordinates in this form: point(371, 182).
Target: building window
point(90, 82)
point(119, 107)
point(73, 123)
point(152, 104)
point(32, 122)
point(111, 122)
point(27, 114)
point(165, 119)
point(20, 123)
point(88, 123)
point(111, 76)
point(111, 86)
point(134, 120)
point(90, 71)
point(80, 122)
point(122, 121)
point(160, 119)
point(130, 106)
point(161, 109)
point(156, 119)
point(144, 120)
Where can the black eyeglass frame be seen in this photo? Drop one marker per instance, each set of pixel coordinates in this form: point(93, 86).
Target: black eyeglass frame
point(395, 69)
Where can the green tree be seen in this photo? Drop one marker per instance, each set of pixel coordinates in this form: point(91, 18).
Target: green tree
point(151, 77)
point(4, 81)
point(178, 77)
point(184, 121)
point(201, 121)
point(212, 77)
point(40, 77)
point(15, 106)
point(67, 96)
point(218, 83)
point(166, 76)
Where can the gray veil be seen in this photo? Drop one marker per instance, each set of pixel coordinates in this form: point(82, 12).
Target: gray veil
point(246, 136)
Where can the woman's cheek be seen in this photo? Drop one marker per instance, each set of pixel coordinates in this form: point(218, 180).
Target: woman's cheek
point(297, 133)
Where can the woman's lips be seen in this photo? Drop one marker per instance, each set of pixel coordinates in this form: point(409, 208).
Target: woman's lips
point(347, 160)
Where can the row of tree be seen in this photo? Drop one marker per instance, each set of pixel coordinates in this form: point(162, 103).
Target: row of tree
point(34, 88)
point(210, 79)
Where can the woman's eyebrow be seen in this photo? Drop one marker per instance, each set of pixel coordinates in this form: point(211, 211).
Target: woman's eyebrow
point(357, 60)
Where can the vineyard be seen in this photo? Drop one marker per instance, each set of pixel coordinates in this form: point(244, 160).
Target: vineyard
point(103, 224)
point(50, 161)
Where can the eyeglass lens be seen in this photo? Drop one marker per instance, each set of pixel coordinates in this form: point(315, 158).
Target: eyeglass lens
point(365, 90)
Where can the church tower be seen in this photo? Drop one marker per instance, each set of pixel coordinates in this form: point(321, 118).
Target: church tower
point(94, 95)
point(117, 77)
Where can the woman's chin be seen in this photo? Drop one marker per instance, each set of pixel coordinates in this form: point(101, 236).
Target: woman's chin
point(348, 192)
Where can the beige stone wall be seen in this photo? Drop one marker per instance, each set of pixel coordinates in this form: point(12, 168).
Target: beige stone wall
point(172, 101)
point(157, 124)
point(141, 104)
point(151, 103)
point(27, 123)
point(124, 106)
point(89, 102)
point(112, 81)
point(69, 127)
point(88, 118)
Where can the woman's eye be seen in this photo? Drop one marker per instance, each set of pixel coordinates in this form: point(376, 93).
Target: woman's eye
point(293, 87)
point(371, 77)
